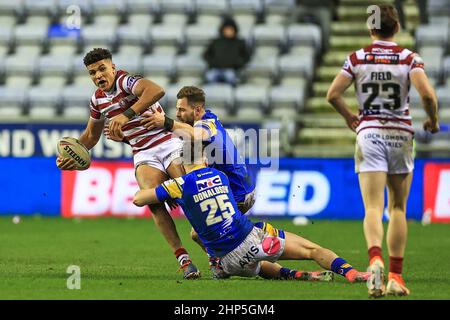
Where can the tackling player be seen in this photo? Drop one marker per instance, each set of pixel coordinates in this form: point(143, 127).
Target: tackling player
point(118, 103)
point(204, 126)
point(382, 73)
point(246, 249)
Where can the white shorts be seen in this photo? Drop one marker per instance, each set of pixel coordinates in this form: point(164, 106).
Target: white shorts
point(160, 156)
point(245, 260)
point(386, 150)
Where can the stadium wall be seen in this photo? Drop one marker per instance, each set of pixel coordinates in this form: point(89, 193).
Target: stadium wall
point(315, 188)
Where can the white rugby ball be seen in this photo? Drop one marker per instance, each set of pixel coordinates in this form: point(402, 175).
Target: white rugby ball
point(69, 147)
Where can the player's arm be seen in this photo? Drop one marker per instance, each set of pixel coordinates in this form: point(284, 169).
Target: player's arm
point(420, 81)
point(88, 138)
point(145, 197)
point(148, 93)
point(159, 120)
point(335, 96)
point(170, 189)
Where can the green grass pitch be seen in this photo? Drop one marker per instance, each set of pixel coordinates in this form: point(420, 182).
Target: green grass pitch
point(129, 259)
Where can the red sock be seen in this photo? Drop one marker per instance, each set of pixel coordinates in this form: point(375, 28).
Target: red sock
point(181, 255)
point(396, 264)
point(374, 252)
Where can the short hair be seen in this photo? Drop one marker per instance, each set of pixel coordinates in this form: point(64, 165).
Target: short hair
point(388, 21)
point(96, 55)
point(193, 95)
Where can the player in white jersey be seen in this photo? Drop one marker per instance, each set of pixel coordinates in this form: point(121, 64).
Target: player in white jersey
point(382, 73)
point(118, 104)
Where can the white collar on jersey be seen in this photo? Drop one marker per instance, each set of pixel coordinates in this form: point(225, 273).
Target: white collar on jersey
point(384, 43)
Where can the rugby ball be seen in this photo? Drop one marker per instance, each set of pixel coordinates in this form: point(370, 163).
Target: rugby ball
point(69, 147)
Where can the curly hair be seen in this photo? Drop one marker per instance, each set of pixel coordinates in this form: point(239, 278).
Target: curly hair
point(96, 55)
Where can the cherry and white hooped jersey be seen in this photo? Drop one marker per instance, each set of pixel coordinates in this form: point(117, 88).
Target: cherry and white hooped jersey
point(105, 105)
point(381, 74)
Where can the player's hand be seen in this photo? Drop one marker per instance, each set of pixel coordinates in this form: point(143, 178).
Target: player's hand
point(65, 163)
point(153, 120)
point(140, 198)
point(115, 127)
point(114, 138)
point(431, 126)
point(352, 122)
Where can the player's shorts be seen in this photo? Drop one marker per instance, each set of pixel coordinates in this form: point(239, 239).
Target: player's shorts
point(386, 150)
point(160, 156)
point(263, 243)
point(249, 201)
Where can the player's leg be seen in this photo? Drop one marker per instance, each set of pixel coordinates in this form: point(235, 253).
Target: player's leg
point(273, 270)
point(150, 177)
point(372, 186)
point(298, 248)
point(398, 191)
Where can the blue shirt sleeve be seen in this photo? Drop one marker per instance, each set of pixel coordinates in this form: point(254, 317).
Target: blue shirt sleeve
point(162, 194)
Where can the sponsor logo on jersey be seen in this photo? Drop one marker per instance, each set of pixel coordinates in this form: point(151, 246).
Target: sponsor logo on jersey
point(132, 80)
point(208, 183)
point(371, 58)
point(249, 257)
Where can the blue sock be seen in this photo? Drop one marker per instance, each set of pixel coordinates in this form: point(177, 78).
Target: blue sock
point(340, 266)
point(286, 273)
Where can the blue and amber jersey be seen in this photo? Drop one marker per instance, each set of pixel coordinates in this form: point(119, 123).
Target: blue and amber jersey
point(222, 155)
point(208, 203)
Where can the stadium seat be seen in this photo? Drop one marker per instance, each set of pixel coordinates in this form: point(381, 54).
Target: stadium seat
point(12, 100)
point(74, 95)
point(265, 34)
point(130, 63)
point(263, 67)
point(296, 65)
point(83, 80)
point(8, 7)
point(210, 20)
point(40, 7)
point(108, 7)
point(308, 34)
point(18, 81)
point(432, 56)
point(51, 65)
point(169, 100)
point(175, 19)
point(219, 95)
point(216, 7)
point(158, 64)
point(278, 6)
point(162, 81)
point(177, 6)
point(139, 20)
point(252, 97)
point(7, 21)
point(106, 21)
point(244, 20)
point(165, 50)
point(197, 35)
point(43, 101)
point(438, 8)
point(63, 49)
point(143, 6)
point(190, 80)
point(29, 50)
point(93, 34)
point(162, 34)
point(130, 50)
point(443, 94)
point(30, 34)
point(285, 98)
point(253, 7)
point(190, 65)
point(432, 35)
point(446, 66)
point(20, 65)
point(76, 112)
point(53, 81)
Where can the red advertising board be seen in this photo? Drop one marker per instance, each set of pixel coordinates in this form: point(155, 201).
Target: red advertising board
point(437, 191)
point(105, 189)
